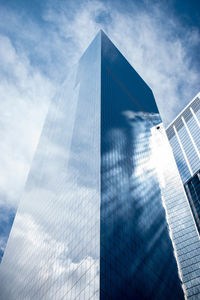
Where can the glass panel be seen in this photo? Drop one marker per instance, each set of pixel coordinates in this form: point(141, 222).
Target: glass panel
point(91, 224)
point(195, 132)
point(136, 254)
point(53, 250)
point(192, 188)
point(189, 149)
point(180, 160)
point(183, 230)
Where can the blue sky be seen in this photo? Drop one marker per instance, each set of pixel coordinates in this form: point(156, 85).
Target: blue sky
point(40, 41)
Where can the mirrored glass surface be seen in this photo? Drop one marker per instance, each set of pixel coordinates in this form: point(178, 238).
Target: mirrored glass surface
point(92, 223)
point(136, 255)
point(182, 226)
point(53, 249)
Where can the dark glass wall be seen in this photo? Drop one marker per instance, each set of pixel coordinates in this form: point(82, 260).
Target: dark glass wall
point(136, 254)
point(192, 188)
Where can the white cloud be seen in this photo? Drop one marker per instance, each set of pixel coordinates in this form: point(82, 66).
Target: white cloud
point(58, 247)
point(52, 265)
point(24, 96)
point(157, 49)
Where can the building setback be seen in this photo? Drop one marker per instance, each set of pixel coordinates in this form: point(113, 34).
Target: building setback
point(91, 223)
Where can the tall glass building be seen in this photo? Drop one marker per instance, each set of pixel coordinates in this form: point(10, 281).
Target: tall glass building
point(184, 136)
point(92, 222)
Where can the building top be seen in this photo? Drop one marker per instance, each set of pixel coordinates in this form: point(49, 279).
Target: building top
point(184, 109)
point(183, 134)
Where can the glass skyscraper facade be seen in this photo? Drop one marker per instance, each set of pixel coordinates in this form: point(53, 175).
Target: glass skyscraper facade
point(92, 223)
point(184, 136)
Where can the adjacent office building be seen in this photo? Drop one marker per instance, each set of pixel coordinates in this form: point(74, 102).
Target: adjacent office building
point(92, 223)
point(184, 136)
point(180, 218)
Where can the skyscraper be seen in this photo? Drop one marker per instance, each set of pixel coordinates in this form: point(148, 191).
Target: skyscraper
point(91, 224)
point(181, 222)
point(184, 136)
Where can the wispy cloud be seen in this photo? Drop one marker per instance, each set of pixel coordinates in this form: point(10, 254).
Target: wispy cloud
point(154, 42)
point(24, 96)
point(25, 93)
point(54, 271)
point(59, 184)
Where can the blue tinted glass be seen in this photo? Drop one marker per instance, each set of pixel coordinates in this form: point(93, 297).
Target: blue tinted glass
point(91, 223)
point(53, 249)
point(189, 149)
point(192, 188)
point(198, 114)
point(195, 131)
point(180, 160)
point(136, 254)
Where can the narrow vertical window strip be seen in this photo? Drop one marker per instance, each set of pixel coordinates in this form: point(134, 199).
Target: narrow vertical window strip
point(195, 117)
point(192, 140)
point(183, 151)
